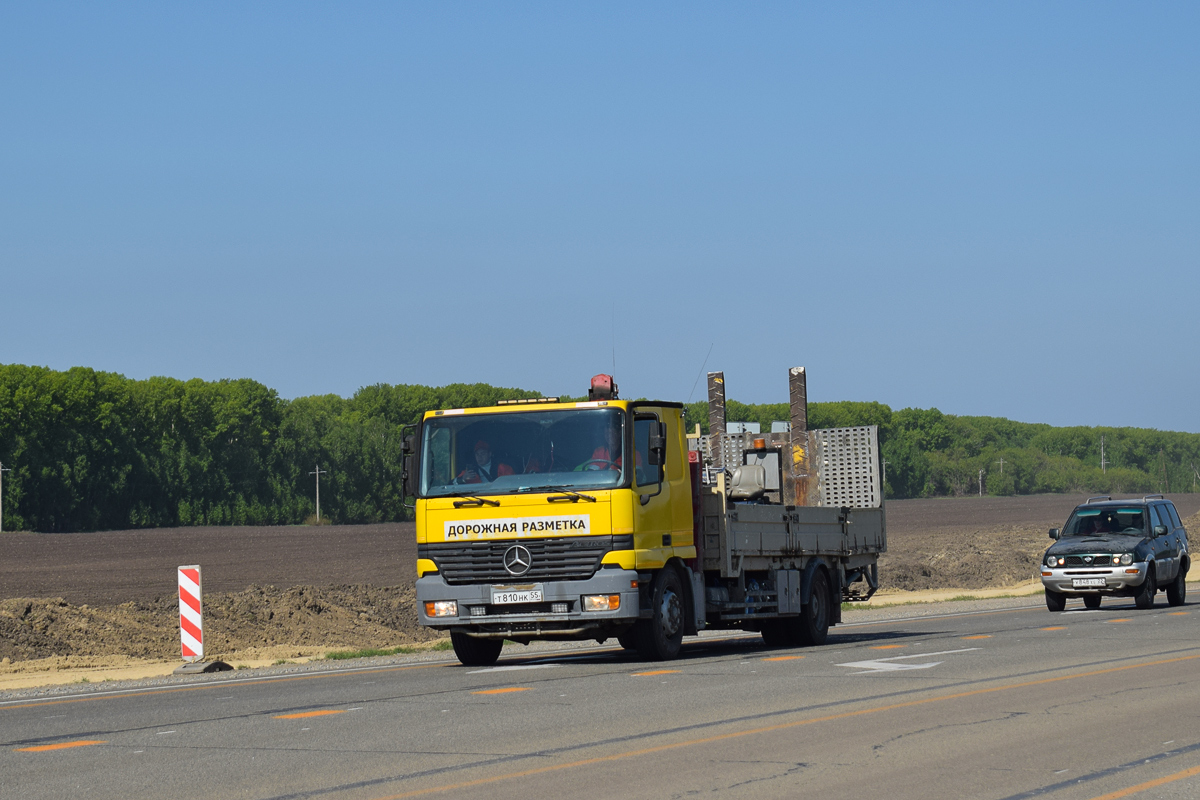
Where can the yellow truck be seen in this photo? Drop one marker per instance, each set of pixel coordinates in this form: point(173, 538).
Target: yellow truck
point(540, 519)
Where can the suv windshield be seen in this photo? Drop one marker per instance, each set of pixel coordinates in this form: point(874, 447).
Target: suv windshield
point(1100, 521)
point(522, 451)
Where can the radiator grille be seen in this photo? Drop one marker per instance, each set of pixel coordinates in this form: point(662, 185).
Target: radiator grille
point(1096, 561)
point(561, 558)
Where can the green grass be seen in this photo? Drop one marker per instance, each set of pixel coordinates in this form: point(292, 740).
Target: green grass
point(338, 655)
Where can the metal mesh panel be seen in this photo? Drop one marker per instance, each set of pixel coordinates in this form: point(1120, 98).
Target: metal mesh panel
point(848, 465)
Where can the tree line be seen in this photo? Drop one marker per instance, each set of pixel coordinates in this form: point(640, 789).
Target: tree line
point(95, 450)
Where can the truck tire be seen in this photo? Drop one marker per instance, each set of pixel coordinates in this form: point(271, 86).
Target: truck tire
point(1091, 601)
point(660, 637)
point(1177, 590)
point(812, 626)
point(474, 652)
point(627, 639)
point(1145, 598)
point(1055, 601)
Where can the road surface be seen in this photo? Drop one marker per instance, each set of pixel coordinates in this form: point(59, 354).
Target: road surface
point(1009, 703)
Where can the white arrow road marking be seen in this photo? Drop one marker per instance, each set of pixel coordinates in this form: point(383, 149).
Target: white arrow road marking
point(888, 665)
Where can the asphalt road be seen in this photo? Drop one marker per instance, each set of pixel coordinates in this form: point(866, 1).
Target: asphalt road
point(1009, 703)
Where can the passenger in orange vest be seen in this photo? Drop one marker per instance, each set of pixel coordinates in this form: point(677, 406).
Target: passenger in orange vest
point(484, 471)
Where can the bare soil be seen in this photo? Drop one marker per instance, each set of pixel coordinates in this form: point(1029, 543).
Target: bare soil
point(84, 598)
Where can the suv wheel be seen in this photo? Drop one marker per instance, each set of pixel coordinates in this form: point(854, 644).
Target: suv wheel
point(1092, 601)
point(1177, 591)
point(1145, 598)
point(1055, 601)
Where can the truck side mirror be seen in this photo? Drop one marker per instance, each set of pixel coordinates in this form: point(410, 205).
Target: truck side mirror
point(1054, 533)
point(408, 466)
point(658, 446)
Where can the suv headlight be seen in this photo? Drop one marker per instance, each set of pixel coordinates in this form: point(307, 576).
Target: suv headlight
point(1127, 559)
point(1055, 561)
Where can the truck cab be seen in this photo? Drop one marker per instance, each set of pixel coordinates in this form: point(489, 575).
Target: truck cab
point(536, 519)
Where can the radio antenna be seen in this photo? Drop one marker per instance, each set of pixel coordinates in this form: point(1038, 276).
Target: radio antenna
point(701, 372)
point(613, 330)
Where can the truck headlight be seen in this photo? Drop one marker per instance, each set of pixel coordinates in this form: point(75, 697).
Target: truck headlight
point(1127, 559)
point(601, 602)
point(441, 608)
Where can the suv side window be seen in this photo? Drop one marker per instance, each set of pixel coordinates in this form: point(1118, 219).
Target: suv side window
point(1155, 520)
point(1174, 515)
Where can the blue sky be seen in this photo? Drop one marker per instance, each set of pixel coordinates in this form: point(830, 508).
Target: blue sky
point(987, 208)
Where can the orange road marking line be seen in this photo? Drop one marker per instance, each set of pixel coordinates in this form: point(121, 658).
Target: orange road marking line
point(1120, 620)
point(504, 691)
point(887, 646)
point(1177, 614)
point(979, 636)
point(60, 746)
point(655, 672)
point(782, 658)
point(307, 714)
point(1054, 628)
point(1178, 776)
point(783, 726)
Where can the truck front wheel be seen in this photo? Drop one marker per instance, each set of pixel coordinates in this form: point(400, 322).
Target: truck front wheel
point(812, 626)
point(660, 637)
point(474, 652)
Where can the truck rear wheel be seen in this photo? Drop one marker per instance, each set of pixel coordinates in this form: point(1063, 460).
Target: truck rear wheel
point(812, 626)
point(660, 637)
point(474, 652)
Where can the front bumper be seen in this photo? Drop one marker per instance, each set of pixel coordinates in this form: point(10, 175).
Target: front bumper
point(1117, 580)
point(478, 617)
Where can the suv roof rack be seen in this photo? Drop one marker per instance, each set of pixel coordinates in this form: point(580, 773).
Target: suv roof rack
point(1153, 497)
point(1098, 497)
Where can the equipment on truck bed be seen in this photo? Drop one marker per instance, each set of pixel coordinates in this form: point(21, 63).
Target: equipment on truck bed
point(605, 518)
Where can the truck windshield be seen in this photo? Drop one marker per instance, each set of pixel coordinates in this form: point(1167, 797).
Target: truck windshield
point(522, 451)
point(1101, 521)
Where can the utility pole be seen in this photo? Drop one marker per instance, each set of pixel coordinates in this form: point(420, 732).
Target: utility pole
point(3, 469)
point(883, 477)
point(1001, 463)
point(1103, 460)
point(318, 472)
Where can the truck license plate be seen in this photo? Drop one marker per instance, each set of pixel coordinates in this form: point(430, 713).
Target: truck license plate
point(507, 595)
point(1084, 583)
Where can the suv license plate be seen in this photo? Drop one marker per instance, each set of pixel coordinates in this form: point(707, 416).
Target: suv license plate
point(1084, 583)
point(506, 596)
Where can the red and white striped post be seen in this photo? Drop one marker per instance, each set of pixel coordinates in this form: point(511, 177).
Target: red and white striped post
point(191, 624)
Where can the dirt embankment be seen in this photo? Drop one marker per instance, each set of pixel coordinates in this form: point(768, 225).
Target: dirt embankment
point(82, 596)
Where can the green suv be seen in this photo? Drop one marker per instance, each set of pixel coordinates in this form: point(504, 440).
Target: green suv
point(1118, 548)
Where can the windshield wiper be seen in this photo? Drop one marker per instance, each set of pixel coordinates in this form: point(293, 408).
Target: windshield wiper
point(472, 500)
point(567, 494)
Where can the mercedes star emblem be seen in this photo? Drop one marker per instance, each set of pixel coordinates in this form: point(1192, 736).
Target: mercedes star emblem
point(517, 560)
